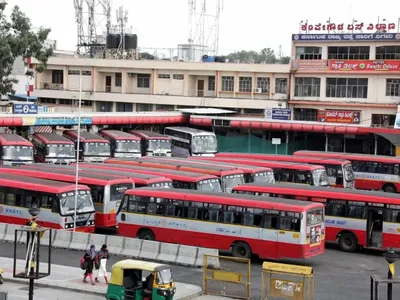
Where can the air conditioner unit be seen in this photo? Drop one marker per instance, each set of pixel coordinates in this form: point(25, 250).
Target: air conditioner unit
point(258, 90)
point(132, 75)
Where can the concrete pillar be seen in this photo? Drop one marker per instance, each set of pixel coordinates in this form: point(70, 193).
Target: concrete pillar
point(326, 142)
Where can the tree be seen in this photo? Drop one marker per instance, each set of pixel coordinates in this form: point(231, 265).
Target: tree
point(284, 60)
point(266, 55)
point(17, 40)
point(147, 56)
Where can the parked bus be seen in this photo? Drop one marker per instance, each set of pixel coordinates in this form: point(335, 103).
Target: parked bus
point(92, 147)
point(56, 199)
point(339, 171)
point(353, 218)
point(153, 143)
point(283, 171)
point(52, 148)
point(269, 227)
point(229, 177)
point(107, 191)
point(188, 141)
point(372, 172)
point(180, 179)
point(15, 150)
point(122, 144)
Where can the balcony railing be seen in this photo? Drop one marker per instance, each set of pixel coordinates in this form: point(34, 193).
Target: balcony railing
point(51, 86)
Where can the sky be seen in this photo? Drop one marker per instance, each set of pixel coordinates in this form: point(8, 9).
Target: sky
point(244, 25)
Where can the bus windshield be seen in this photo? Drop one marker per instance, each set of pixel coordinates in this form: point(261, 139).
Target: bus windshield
point(128, 146)
point(348, 172)
point(209, 185)
point(230, 181)
point(117, 191)
point(264, 177)
point(154, 145)
point(97, 149)
point(315, 216)
point(320, 178)
point(17, 152)
point(84, 202)
point(61, 150)
point(204, 144)
point(162, 184)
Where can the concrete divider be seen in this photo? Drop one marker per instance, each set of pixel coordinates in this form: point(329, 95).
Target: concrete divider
point(168, 252)
point(132, 247)
point(115, 244)
point(3, 230)
point(150, 250)
point(213, 262)
point(79, 241)
point(62, 239)
point(97, 239)
point(187, 255)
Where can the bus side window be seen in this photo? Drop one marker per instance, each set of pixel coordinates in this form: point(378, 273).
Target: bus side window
point(97, 193)
point(336, 208)
point(2, 195)
point(248, 219)
point(288, 221)
point(29, 198)
point(270, 222)
point(228, 216)
point(392, 215)
point(193, 212)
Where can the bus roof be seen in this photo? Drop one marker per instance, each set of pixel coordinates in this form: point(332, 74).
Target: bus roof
point(227, 199)
point(68, 175)
point(172, 174)
point(190, 166)
point(270, 164)
point(315, 191)
point(52, 138)
point(287, 158)
point(351, 156)
point(244, 168)
point(85, 136)
point(8, 139)
point(189, 130)
point(37, 184)
point(146, 134)
point(119, 135)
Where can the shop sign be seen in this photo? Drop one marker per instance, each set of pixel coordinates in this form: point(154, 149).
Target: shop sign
point(364, 65)
point(360, 26)
point(278, 114)
point(310, 64)
point(339, 116)
point(346, 37)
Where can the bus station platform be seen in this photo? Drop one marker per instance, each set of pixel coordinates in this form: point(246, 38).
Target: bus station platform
point(69, 278)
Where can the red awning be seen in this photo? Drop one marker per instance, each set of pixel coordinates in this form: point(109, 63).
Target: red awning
point(109, 120)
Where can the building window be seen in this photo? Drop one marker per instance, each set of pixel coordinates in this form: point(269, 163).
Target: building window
point(73, 72)
point(305, 114)
point(253, 111)
point(379, 120)
point(280, 86)
point(164, 76)
point(245, 84)
point(124, 107)
point(262, 85)
point(307, 87)
point(118, 79)
point(47, 101)
point(227, 83)
point(178, 76)
point(144, 107)
point(211, 83)
point(359, 52)
point(86, 73)
point(65, 102)
point(87, 103)
point(143, 81)
point(164, 107)
point(308, 52)
point(393, 87)
point(387, 52)
point(346, 87)
point(57, 76)
point(104, 106)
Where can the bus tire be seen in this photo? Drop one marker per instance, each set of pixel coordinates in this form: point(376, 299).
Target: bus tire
point(146, 234)
point(241, 250)
point(389, 188)
point(348, 242)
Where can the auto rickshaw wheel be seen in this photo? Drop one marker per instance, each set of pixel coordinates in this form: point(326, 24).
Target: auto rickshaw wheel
point(242, 250)
point(146, 234)
point(1, 279)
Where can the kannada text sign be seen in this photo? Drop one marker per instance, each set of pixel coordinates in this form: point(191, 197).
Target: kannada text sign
point(346, 37)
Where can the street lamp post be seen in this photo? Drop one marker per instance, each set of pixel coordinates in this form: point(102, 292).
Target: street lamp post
point(391, 257)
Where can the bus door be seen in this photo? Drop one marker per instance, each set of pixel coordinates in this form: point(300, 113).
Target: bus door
point(269, 233)
point(374, 228)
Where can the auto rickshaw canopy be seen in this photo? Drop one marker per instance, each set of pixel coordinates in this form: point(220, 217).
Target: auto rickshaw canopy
point(117, 272)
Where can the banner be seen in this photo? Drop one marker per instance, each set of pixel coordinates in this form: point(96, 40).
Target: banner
point(339, 116)
point(347, 37)
point(310, 64)
point(25, 109)
point(364, 65)
point(278, 114)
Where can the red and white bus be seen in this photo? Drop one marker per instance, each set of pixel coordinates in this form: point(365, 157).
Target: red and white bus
point(269, 227)
point(180, 179)
point(372, 172)
point(52, 148)
point(339, 171)
point(15, 150)
point(122, 144)
point(283, 171)
point(229, 177)
point(153, 143)
point(353, 218)
point(106, 191)
point(92, 147)
point(55, 199)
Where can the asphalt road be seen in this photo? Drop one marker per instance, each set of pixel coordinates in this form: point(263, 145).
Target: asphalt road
point(338, 275)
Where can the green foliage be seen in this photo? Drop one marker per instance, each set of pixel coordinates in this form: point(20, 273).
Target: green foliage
point(17, 40)
point(266, 55)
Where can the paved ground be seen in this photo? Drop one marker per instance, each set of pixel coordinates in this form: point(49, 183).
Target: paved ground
point(338, 275)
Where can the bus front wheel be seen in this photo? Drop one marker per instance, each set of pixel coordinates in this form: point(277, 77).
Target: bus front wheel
point(389, 188)
point(242, 250)
point(146, 234)
point(347, 242)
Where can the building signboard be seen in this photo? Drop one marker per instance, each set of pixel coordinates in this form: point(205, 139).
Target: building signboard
point(346, 37)
point(310, 64)
point(48, 121)
point(339, 116)
point(278, 114)
point(364, 65)
point(25, 109)
point(305, 27)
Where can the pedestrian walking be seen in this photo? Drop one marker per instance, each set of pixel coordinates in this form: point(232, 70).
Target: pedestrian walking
point(102, 256)
point(89, 258)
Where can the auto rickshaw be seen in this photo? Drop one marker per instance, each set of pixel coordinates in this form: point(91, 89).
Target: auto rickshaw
point(127, 282)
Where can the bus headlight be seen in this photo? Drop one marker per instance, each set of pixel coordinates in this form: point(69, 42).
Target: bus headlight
point(90, 222)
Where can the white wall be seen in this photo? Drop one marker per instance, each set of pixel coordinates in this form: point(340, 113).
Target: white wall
point(170, 86)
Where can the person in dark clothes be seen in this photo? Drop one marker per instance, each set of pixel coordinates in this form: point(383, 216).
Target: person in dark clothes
point(89, 257)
